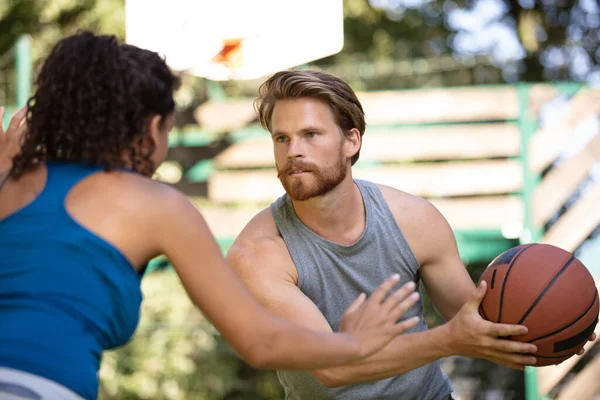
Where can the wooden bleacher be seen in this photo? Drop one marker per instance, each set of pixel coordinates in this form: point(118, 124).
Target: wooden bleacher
point(458, 147)
point(476, 153)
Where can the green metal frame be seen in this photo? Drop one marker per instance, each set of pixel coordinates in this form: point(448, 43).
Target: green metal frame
point(23, 65)
point(531, 233)
point(23, 69)
point(528, 126)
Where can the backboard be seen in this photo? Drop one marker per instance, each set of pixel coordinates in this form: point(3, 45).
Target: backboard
point(236, 39)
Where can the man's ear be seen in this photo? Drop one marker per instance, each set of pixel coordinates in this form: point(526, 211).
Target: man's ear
point(352, 143)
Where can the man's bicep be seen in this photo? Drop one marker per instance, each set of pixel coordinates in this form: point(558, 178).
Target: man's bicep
point(432, 241)
point(276, 291)
point(443, 273)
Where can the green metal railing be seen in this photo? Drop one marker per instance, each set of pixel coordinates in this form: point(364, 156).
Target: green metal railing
point(23, 76)
point(23, 63)
point(528, 125)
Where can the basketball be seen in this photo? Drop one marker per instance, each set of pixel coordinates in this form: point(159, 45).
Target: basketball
point(546, 289)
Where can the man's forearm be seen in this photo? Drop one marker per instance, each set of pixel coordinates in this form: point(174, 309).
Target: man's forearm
point(405, 353)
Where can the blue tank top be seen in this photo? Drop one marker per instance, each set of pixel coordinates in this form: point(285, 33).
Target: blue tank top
point(65, 294)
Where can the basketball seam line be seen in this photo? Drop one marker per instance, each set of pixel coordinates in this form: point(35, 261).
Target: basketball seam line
point(548, 286)
point(548, 357)
point(575, 340)
point(482, 311)
point(570, 324)
point(506, 277)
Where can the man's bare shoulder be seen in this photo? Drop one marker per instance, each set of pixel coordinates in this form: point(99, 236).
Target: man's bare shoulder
point(405, 205)
point(260, 230)
point(423, 225)
point(259, 249)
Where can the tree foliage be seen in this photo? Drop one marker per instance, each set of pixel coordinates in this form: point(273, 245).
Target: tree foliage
point(411, 43)
point(48, 21)
point(388, 43)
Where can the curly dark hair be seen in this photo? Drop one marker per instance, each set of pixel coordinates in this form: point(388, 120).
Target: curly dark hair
point(92, 105)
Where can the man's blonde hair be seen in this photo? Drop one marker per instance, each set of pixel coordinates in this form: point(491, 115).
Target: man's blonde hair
point(340, 97)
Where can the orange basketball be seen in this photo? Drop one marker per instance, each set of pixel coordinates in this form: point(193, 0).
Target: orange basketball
point(549, 291)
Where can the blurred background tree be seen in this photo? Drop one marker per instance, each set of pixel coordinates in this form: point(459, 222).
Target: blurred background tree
point(389, 43)
point(48, 21)
point(519, 40)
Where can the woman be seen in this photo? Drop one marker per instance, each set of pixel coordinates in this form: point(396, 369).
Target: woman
point(80, 217)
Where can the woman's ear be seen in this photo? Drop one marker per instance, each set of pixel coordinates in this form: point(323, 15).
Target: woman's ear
point(154, 129)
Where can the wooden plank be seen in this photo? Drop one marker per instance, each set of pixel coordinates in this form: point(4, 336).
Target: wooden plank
point(250, 153)
point(481, 103)
point(585, 385)
point(442, 143)
point(427, 180)
point(225, 116)
point(450, 179)
point(539, 95)
point(481, 213)
point(562, 180)
point(226, 222)
point(550, 376)
point(441, 105)
point(497, 212)
point(547, 143)
point(578, 222)
point(392, 144)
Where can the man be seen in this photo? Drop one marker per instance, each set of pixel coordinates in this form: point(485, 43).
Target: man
point(331, 237)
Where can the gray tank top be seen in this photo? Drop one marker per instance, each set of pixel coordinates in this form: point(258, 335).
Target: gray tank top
point(333, 275)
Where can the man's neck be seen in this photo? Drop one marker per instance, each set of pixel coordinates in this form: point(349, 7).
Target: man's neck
point(338, 216)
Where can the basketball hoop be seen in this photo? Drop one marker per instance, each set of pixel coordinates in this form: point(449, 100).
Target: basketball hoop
point(236, 39)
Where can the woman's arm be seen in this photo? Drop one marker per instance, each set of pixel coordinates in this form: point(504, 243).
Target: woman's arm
point(262, 339)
